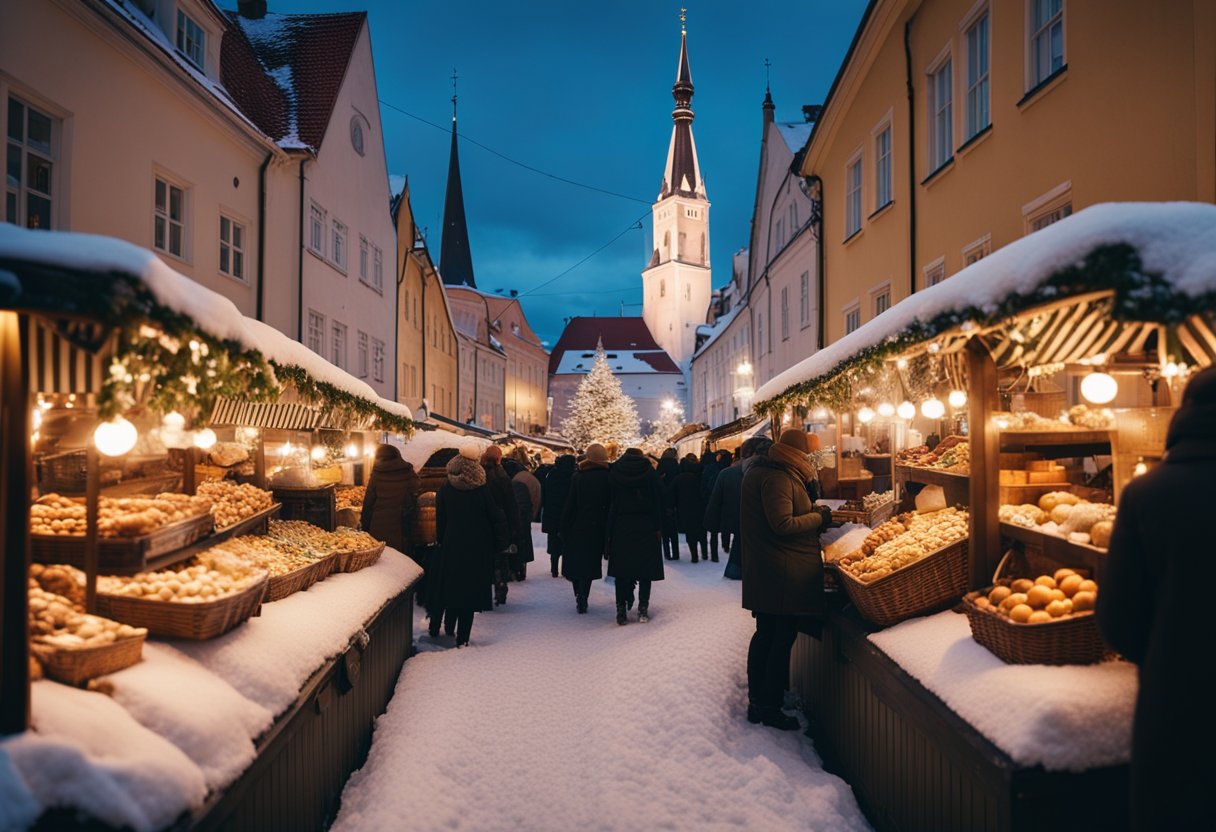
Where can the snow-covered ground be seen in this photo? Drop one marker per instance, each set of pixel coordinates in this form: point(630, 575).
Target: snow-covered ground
point(552, 720)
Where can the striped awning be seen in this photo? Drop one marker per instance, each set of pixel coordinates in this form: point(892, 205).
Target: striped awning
point(58, 365)
point(277, 415)
point(1198, 336)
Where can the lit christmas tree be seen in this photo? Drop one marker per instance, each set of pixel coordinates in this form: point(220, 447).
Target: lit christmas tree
point(600, 411)
point(671, 419)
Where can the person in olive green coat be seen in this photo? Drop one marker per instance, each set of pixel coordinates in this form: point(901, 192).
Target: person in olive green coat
point(783, 570)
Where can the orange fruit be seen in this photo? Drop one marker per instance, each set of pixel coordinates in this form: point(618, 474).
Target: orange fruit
point(1061, 574)
point(1057, 594)
point(1071, 584)
point(1046, 580)
point(1057, 608)
point(1038, 597)
point(999, 594)
point(1038, 617)
point(1022, 584)
point(982, 602)
point(1021, 613)
point(1088, 586)
point(1083, 601)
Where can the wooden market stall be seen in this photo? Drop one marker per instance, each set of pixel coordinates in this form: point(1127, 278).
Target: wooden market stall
point(136, 410)
point(1046, 375)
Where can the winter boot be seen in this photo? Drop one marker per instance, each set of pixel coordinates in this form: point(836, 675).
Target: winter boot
point(580, 603)
point(755, 713)
point(553, 566)
point(433, 628)
point(643, 613)
point(774, 717)
point(621, 614)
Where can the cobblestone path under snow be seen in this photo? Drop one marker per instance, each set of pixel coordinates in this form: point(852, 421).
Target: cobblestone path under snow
point(556, 721)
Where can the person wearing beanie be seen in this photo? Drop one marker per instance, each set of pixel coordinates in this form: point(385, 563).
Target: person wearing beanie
point(782, 570)
point(635, 529)
point(585, 524)
point(1147, 610)
point(391, 500)
point(471, 530)
point(500, 489)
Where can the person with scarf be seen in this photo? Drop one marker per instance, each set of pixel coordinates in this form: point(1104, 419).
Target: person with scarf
point(500, 489)
point(635, 531)
point(1150, 610)
point(585, 524)
point(391, 499)
point(782, 570)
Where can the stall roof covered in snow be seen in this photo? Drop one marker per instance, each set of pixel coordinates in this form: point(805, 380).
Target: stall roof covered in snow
point(213, 313)
point(628, 339)
point(1174, 240)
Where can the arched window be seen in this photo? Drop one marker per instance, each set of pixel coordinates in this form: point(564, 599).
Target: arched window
point(667, 244)
point(358, 130)
point(662, 288)
point(702, 248)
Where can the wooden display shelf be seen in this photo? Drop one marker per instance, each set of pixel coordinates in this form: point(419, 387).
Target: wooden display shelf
point(1059, 549)
point(932, 476)
point(121, 555)
point(1054, 439)
point(251, 524)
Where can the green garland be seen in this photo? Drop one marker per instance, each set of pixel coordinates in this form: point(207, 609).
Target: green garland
point(343, 408)
point(1138, 296)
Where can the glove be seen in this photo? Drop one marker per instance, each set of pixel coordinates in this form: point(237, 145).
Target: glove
point(513, 549)
point(825, 517)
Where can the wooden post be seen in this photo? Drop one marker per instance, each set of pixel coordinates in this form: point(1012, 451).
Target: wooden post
point(92, 498)
point(15, 464)
point(984, 484)
point(259, 461)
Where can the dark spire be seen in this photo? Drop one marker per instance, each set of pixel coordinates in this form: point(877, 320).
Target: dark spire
point(455, 259)
point(769, 106)
point(682, 174)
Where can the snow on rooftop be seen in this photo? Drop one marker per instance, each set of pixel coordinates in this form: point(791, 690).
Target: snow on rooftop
point(795, 133)
point(419, 447)
point(1174, 239)
point(621, 362)
point(719, 326)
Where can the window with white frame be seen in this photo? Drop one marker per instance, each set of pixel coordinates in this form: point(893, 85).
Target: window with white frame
point(882, 300)
point(338, 345)
point(793, 217)
point(779, 236)
point(316, 229)
point(935, 272)
point(1049, 208)
point(852, 198)
point(232, 248)
point(804, 299)
point(377, 359)
point(882, 167)
point(1045, 45)
point(364, 259)
point(169, 218)
point(191, 39)
point(316, 332)
point(941, 120)
point(760, 333)
point(30, 161)
point(978, 115)
point(377, 268)
point(978, 250)
point(852, 319)
point(1049, 216)
point(785, 313)
point(361, 353)
point(339, 244)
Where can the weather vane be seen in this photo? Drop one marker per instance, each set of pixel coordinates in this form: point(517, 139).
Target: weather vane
point(767, 80)
point(453, 93)
point(683, 17)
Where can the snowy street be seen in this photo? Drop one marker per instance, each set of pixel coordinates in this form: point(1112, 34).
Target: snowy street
point(556, 721)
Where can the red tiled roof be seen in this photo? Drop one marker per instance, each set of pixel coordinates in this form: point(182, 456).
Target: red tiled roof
point(618, 334)
point(306, 56)
point(251, 88)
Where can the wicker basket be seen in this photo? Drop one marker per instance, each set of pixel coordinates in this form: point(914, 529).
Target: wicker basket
point(63, 473)
point(931, 583)
point(425, 531)
point(171, 619)
point(77, 665)
point(358, 559)
point(872, 518)
point(121, 554)
point(298, 580)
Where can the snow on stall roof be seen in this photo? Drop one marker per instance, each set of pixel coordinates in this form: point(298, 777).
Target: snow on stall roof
point(1068, 718)
point(18, 808)
point(211, 311)
point(419, 447)
point(1174, 239)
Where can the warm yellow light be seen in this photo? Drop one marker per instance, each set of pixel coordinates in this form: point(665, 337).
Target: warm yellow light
point(932, 408)
point(318, 453)
point(957, 399)
point(1140, 469)
point(821, 414)
point(116, 437)
point(1099, 388)
point(865, 415)
point(205, 439)
point(901, 363)
point(173, 420)
point(886, 410)
point(744, 368)
point(352, 450)
point(906, 410)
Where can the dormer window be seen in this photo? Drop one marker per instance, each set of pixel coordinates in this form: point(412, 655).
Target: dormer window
point(190, 39)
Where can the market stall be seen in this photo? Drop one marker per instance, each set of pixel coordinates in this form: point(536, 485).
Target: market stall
point(1015, 400)
point(176, 634)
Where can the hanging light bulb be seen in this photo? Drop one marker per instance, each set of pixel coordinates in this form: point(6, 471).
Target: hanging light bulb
point(906, 410)
point(865, 415)
point(173, 420)
point(205, 439)
point(318, 453)
point(286, 450)
point(1099, 388)
point(116, 437)
point(957, 399)
point(886, 410)
point(1170, 370)
point(352, 450)
point(1140, 468)
point(901, 363)
point(932, 408)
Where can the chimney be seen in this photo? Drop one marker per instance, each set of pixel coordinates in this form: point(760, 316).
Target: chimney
point(251, 9)
point(811, 112)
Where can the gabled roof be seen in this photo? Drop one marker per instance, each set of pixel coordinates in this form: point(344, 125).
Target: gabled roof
point(455, 258)
point(630, 336)
point(306, 55)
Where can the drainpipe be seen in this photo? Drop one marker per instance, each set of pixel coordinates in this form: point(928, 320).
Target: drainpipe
point(300, 273)
point(261, 295)
point(422, 284)
point(813, 181)
point(911, 158)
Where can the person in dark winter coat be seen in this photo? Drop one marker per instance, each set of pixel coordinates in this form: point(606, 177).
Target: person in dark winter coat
point(722, 510)
point(519, 465)
point(725, 460)
point(500, 488)
point(1148, 611)
point(783, 570)
point(585, 524)
point(635, 531)
point(554, 489)
point(523, 554)
point(668, 469)
point(391, 499)
point(472, 530)
point(685, 494)
point(709, 475)
point(752, 450)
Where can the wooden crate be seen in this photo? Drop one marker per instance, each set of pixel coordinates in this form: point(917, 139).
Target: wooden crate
point(121, 554)
point(1140, 437)
point(318, 505)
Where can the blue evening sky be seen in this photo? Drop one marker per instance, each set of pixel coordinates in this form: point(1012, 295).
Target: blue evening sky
point(583, 91)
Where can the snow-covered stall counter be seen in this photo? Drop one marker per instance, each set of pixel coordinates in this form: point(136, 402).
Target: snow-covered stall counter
point(1029, 388)
point(208, 688)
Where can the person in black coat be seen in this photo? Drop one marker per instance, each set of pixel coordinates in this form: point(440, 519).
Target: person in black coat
point(635, 530)
point(523, 554)
point(1148, 609)
point(722, 509)
point(684, 492)
point(500, 489)
point(585, 524)
point(668, 469)
point(554, 489)
point(471, 529)
point(709, 475)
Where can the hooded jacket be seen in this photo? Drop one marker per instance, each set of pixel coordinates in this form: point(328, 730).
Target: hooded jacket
point(585, 524)
point(553, 494)
point(635, 521)
point(391, 502)
point(471, 529)
point(685, 495)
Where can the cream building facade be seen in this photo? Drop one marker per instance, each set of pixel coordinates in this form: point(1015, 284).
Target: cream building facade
point(722, 374)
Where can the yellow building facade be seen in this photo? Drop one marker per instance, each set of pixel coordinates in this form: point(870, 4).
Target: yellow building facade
point(955, 127)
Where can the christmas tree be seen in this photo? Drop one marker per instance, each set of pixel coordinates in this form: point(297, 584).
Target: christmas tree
point(600, 411)
point(671, 419)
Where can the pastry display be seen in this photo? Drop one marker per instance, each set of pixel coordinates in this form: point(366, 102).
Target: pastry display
point(876, 499)
point(54, 514)
point(194, 582)
point(1064, 514)
point(60, 579)
point(903, 541)
point(315, 538)
point(227, 454)
point(232, 503)
point(952, 454)
point(350, 496)
point(1046, 598)
point(277, 557)
point(1080, 417)
point(59, 621)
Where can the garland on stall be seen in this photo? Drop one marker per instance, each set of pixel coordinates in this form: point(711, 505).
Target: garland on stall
point(1139, 296)
point(343, 408)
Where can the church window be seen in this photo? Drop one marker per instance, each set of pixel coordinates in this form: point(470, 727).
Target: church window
point(687, 291)
point(667, 243)
point(683, 240)
point(662, 288)
point(702, 249)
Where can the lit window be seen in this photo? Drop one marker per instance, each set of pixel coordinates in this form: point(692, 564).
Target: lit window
point(316, 229)
point(361, 353)
point(1046, 45)
point(852, 199)
point(978, 116)
point(882, 168)
point(232, 248)
point(852, 320)
point(338, 345)
point(316, 332)
point(941, 97)
point(339, 245)
point(28, 167)
point(190, 39)
point(169, 224)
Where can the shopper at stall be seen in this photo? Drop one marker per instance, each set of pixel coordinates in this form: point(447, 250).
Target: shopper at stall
point(521, 467)
point(668, 469)
point(391, 500)
point(722, 510)
point(782, 570)
point(500, 488)
point(725, 460)
point(685, 494)
point(523, 554)
point(635, 531)
point(1147, 610)
point(585, 524)
point(554, 489)
point(472, 530)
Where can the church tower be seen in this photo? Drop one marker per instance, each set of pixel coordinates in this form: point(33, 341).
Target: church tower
point(676, 283)
point(455, 259)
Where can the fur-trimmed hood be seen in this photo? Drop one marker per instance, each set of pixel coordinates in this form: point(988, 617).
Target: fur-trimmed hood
point(465, 474)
